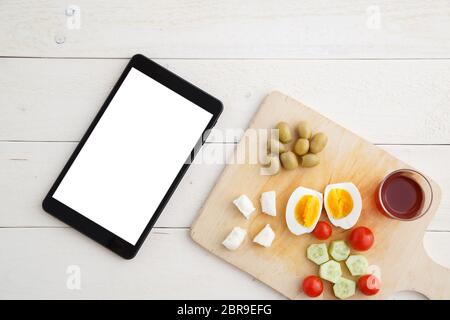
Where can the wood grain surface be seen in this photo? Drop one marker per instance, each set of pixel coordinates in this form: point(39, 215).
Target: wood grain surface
point(379, 68)
point(352, 29)
point(347, 158)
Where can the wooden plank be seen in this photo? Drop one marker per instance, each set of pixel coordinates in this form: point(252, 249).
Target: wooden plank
point(347, 157)
point(393, 102)
point(168, 266)
point(201, 29)
point(38, 261)
point(27, 170)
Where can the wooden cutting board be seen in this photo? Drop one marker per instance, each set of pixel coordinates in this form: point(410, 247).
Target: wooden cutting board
point(398, 248)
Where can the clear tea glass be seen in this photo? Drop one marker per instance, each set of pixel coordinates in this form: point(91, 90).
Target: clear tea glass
point(405, 195)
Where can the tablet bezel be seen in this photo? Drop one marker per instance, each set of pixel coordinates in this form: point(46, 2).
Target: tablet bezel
point(94, 230)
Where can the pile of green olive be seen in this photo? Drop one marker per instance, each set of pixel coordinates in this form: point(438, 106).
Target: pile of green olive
point(305, 149)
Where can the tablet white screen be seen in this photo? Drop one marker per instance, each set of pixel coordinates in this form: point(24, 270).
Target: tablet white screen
point(133, 155)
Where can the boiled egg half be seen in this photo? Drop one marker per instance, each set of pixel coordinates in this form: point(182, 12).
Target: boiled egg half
point(343, 204)
point(303, 210)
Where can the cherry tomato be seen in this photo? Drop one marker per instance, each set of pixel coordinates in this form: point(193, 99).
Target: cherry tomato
point(369, 284)
point(323, 230)
point(312, 286)
point(361, 238)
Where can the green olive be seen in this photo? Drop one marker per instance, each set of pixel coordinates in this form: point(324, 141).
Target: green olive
point(304, 130)
point(310, 160)
point(301, 146)
point(289, 160)
point(274, 146)
point(318, 142)
point(284, 132)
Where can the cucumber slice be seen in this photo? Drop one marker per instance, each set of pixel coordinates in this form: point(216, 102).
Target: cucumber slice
point(330, 271)
point(344, 288)
point(317, 253)
point(357, 264)
point(339, 250)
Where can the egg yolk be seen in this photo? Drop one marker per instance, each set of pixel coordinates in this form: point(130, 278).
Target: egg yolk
point(340, 203)
point(307, 210)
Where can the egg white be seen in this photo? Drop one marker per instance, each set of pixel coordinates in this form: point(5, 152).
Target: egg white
point(350, 220)
point(269, 203)
point(245, 205)
point(265, 237)
point(234, 238)
point(294, 226)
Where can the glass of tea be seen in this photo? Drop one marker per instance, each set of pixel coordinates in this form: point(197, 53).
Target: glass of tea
point(405, 195)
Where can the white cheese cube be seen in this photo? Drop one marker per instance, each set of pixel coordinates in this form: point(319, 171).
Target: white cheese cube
point(245, 205)
point(265, 237)
point(268, 203)
point(234, 238)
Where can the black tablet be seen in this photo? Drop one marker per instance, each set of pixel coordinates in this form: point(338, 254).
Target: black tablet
point(132, 157)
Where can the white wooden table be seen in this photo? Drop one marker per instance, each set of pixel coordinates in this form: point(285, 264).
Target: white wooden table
point(380, 68)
